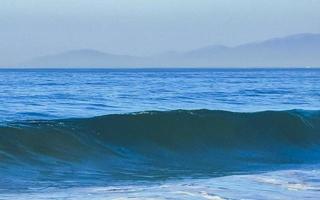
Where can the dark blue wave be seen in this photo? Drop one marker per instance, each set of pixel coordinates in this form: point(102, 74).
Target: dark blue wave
point(159, 144)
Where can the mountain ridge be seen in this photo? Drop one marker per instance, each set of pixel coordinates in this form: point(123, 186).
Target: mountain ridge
point(299, 50)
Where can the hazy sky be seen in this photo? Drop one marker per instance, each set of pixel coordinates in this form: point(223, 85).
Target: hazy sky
point(30, 28)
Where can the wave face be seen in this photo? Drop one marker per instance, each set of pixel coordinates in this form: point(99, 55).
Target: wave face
point(157, 145)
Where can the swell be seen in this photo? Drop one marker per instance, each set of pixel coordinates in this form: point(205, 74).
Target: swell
point(160, 144)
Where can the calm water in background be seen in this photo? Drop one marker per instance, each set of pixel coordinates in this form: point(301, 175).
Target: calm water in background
point(85, 159)
point(47, 94)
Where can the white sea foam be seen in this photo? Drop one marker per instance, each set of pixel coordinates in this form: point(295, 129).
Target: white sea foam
point(298, 184)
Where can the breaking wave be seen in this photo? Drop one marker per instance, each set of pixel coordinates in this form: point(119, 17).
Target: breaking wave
point(159, 144)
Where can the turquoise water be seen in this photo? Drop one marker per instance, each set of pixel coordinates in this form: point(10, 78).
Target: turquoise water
point(160, 134)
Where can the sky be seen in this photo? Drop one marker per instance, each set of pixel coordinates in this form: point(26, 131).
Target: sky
point(145, 27)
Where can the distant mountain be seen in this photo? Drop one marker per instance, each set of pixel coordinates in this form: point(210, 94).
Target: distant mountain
point(295, 50)
point(84, 58)
point(292, 51)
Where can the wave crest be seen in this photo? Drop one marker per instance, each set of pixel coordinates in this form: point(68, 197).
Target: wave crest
point(141, 142)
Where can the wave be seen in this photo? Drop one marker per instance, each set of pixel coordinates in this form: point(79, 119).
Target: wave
point(160, 144)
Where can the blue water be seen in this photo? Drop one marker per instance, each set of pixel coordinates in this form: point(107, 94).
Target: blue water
point(48, 94)
point(159, 133)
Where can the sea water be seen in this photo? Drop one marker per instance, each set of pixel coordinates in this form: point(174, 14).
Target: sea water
point(159, 133)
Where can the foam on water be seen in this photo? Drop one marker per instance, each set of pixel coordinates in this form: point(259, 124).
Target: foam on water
point(285, 185)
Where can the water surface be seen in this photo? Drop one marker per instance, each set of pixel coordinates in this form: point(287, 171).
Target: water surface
point(159, 133)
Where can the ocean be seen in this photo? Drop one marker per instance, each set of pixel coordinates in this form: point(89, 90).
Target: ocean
point(160, 133)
